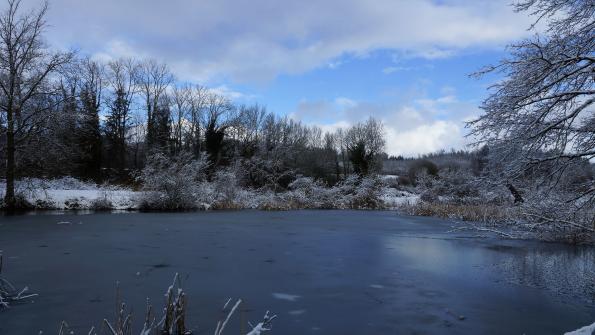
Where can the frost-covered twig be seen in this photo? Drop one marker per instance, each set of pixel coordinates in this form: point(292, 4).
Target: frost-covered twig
point(221, 325)
point(484, 229)
point(172, 321)
point(553, 221)
point(8, 293)
point(262, 326)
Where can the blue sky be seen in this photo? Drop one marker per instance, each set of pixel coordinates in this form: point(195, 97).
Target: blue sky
point(331, 63)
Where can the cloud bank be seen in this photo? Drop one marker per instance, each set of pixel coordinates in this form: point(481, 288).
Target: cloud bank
point(257, 40)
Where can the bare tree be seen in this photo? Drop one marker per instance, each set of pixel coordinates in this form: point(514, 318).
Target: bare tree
point(121, 76)
point(153, 79)
point(198, 101)
point(247, 129)
point(25, 68)
point(342, 148)
point(542, 113)
point(181, 97)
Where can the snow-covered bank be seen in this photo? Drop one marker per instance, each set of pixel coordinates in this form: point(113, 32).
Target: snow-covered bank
point(72, 194)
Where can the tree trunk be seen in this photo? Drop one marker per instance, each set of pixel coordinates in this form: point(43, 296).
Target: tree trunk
point(9, 197)
point(518, 198)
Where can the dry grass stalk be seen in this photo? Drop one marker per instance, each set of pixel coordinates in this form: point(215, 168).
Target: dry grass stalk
point(463, 212)
point(173, 320)
point(8, 293)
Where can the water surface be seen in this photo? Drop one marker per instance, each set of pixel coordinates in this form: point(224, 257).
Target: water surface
point(322, 272)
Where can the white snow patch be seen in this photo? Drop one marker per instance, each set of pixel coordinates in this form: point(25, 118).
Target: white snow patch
point(587, 330)
point(297, 312)
point(286, 296)
point(394, 198)
point(71, 193)
point(376, 286)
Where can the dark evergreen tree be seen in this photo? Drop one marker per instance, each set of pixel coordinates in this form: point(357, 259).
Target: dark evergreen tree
point(116, 128)
point(214, 142)
point(161, 126)
point(89, 135)
point(359, 158)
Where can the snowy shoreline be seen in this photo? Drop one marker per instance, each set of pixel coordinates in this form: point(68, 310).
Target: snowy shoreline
point(70, 194)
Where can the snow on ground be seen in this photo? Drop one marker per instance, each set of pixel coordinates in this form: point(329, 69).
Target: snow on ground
point(70, 193)
point(587, 330)
point(394, 198)
point(88, 199)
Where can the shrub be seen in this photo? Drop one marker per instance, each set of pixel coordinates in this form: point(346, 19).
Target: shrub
point(171, 183)
point(422, 166)
point(73, 203)
point(260, 173)
point(225, 191)
point(44, 204)
point(360, 193)
point(404, 181)
point(368, 194)
point(307, 192)
point(104, 202)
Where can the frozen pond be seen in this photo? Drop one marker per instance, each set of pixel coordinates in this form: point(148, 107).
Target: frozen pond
point(321, 272)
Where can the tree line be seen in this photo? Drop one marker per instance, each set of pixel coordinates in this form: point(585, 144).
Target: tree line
point(66, 114)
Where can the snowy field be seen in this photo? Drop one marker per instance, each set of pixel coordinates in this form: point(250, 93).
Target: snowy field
point(70, 193)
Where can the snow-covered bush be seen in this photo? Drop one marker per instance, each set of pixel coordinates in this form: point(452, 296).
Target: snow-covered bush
point(226, 190)
point(305, 192)
point(420, 167)
point(103, 202)
point(559, 216)
point(171, 183)
point(45, 204)
point(456, 185)
point(363, 193)
point(74, 203)
point(72, 194)
point(265, 173)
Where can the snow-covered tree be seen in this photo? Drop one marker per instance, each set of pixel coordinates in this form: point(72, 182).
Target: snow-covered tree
point(25, 67)
point(542, 114)
point(365, 143)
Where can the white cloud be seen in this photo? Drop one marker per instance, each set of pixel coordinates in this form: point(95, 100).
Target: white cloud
point(231, 94)
point(425, 138)
point(393, 69)
point(260, 39)
point(417, 126)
